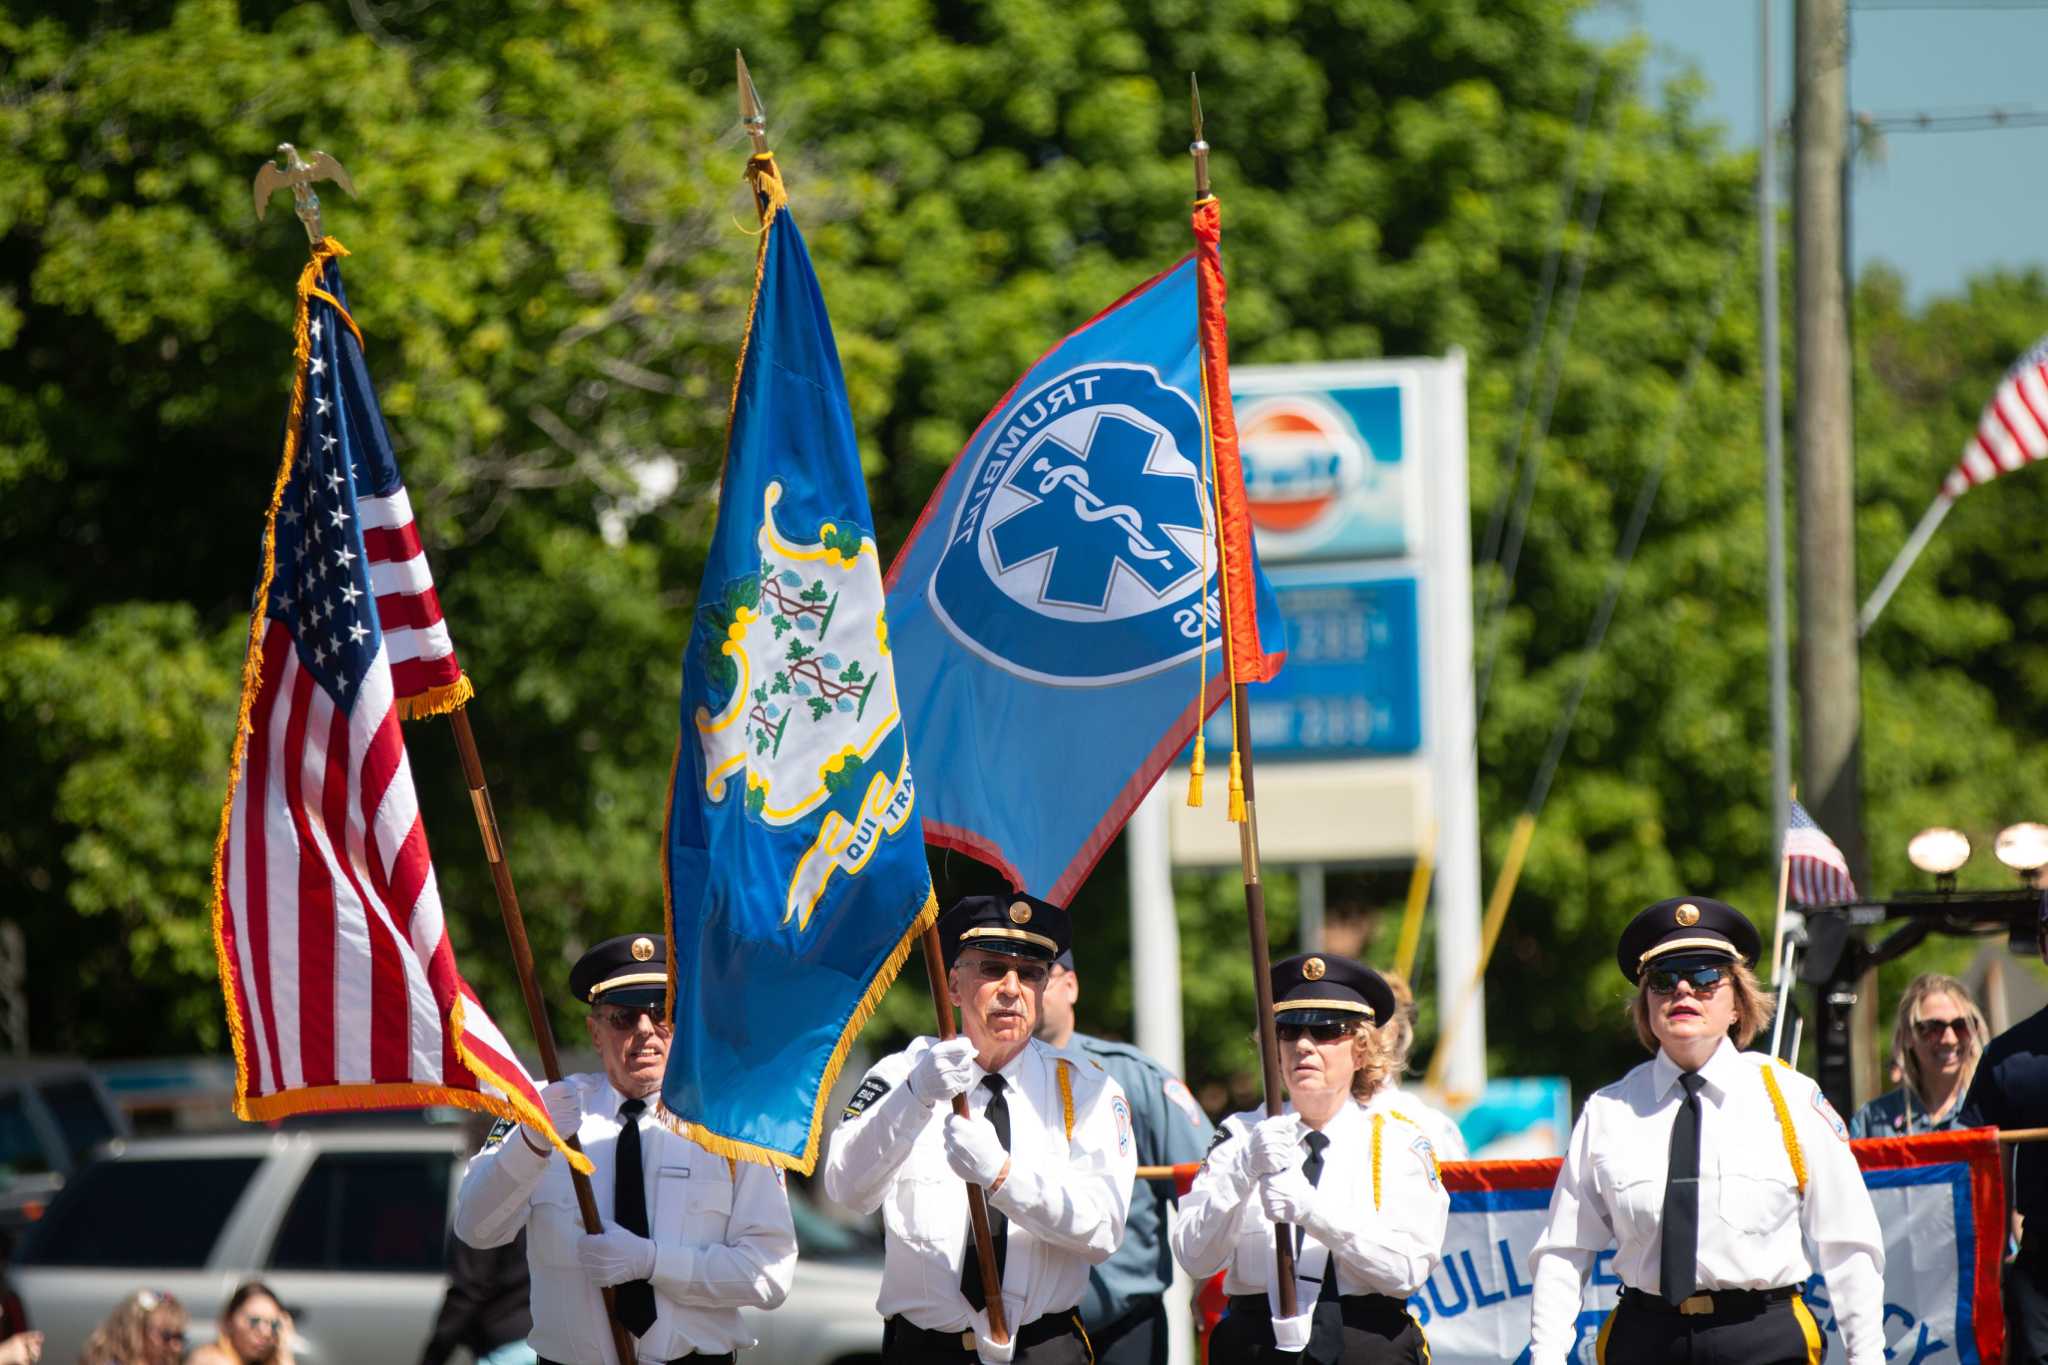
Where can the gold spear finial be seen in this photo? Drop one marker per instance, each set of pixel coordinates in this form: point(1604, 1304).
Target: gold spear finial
point(752, 117)
point(292, 171)
point(1198, 148)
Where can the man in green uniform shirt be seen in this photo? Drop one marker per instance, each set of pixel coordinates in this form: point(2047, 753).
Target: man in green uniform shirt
point(1125, 1307)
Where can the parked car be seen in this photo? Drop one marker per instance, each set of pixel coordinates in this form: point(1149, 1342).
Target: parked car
point(349, 1226)
point(52, 1115)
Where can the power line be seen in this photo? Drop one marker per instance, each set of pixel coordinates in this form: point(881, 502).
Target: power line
point(1953, 120)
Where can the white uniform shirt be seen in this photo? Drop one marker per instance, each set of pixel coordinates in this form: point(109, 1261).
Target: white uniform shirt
point(1752, 1216)
point(1066, 1200)
point(1444, 1133)
point(721, 1230)
point(1384, 1246)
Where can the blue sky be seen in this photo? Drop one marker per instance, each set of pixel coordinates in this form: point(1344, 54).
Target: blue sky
point(1939, 207)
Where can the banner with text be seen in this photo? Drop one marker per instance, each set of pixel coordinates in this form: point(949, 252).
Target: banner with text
point(1940, 1199)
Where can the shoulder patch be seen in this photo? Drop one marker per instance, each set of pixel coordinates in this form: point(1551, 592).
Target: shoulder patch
point(1426, 1151)
point(871, 1089)
point(1122, 1113)
point(1222, 1136)
point(500, 1130)
point(1184, 1100)
point(1828, 1115)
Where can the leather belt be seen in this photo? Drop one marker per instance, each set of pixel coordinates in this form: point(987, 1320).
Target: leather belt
point(1734, 1301)
point(1041, 1329)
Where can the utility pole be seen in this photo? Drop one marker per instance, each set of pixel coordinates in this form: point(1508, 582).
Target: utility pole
point(1830, 683)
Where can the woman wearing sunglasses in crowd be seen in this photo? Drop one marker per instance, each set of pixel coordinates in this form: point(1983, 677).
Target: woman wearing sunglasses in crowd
point(1935, 1046)
point(1709, 1170)
point(1355, 1179)
point(254, 1330)
point(146, 1328)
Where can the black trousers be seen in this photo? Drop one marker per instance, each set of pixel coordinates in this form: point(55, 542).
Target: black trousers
point(1761, 1331)
point(729, 1358)
point(1136, 1338)
point(2026, 1307)
point(1055, 1339)
point(1358, 1329)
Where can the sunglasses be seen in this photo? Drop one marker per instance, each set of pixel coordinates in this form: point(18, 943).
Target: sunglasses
point(626, 1018)
point(169, 1336)
point(996, 968)
point(1703, 980)
point(1931, 1030)
point(1322, 1033)
point(260, 1324)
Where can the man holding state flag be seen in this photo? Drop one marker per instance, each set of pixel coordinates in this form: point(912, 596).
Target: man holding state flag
point(1048, 1137)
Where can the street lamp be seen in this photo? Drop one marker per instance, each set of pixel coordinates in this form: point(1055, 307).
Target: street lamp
point(1939, 851)
point(2024, 849)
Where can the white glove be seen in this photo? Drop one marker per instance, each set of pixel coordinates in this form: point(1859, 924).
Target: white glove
point(973, 1150)
point(1287, 1197)
point(945, 1070)
point(1275, 1146)
point(615, 1256)
point(565, 1111)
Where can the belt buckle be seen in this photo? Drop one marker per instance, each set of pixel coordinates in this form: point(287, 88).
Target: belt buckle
point(1697, 1304)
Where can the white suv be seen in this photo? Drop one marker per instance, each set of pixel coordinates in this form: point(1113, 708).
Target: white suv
point(349, 1225)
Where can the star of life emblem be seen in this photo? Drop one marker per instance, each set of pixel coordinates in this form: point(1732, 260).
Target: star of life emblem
point(1082, 551)
point(811, 720)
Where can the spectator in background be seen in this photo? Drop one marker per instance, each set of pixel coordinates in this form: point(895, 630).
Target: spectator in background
point(485, 1309)
point(146, 1328)
point(1939, 1036)
point(254, 1330)
point(23, 1348)
point(1399, 1033)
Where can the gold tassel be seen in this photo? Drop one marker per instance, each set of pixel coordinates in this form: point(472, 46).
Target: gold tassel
point(1236, 788)
point(1195, 770)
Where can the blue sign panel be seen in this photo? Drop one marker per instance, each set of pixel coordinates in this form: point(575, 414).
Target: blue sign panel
point(1352, 684)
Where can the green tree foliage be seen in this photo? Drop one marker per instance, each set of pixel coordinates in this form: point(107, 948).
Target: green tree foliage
point(552, 259)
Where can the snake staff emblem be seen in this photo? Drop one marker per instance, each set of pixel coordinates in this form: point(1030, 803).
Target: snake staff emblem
point(799, 650)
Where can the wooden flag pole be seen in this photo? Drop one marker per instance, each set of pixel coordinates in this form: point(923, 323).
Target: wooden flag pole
point(977, 1202)
point(1248, 831)
point(522, 961)
point(292, 172)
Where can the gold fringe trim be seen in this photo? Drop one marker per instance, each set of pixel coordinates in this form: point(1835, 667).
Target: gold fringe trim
point(326, 249)
point(438, 701)
point(734, 1149)
point(1790, 1134)
point(514, 1104)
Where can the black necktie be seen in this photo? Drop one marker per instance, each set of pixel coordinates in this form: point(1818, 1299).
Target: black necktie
point(1678, 1263)
point(1312, 1167)
point(998, 1115)
point(634, 1298)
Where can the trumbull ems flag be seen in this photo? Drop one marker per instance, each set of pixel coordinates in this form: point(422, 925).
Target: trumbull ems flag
point(341, 985)
point(795, 868)
point(1058, 612)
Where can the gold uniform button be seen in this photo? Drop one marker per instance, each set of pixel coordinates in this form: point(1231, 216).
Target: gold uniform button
point(1020, 913)
point(1313, 969)
point(643, 949)
point(1688, 915)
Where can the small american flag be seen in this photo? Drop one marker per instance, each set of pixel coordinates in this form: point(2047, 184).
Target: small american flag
point(1816, 873)
point(2014, 428)
point(341, 984)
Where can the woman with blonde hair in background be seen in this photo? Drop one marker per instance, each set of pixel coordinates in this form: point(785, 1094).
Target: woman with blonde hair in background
point(1939, 1036)
point(146, 1328)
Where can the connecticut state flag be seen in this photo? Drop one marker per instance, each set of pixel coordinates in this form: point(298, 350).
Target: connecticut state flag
point(795, 871)
point(1059, 611)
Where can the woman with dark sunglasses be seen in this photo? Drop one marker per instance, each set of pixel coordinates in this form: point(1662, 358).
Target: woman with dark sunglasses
point(1936, 1042)
point(1356, 1180)
point(254, 1330)
point(1709, 1171)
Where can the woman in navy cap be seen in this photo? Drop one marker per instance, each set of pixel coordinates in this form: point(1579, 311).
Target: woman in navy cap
point(1356, 1180)
point(1709, 1170)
